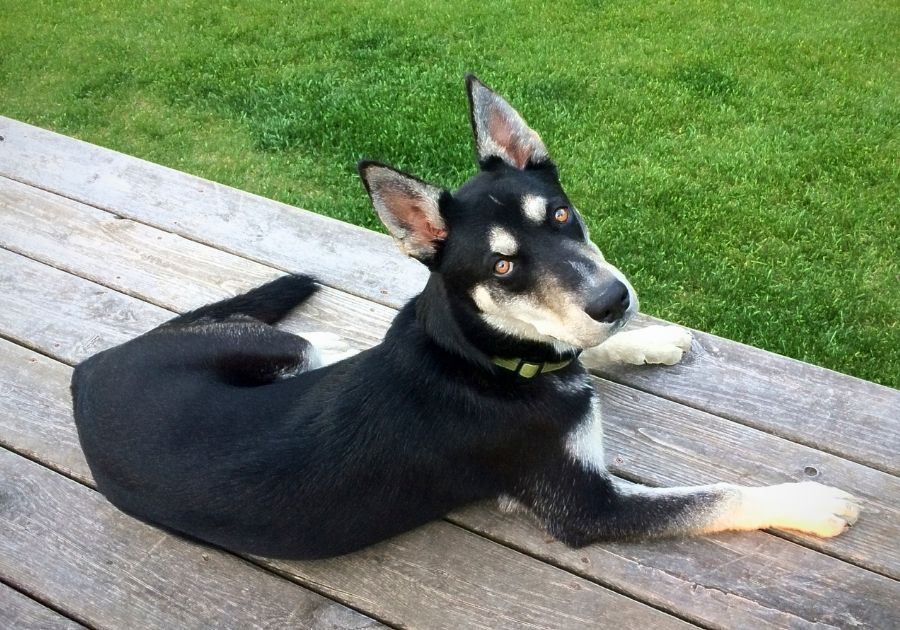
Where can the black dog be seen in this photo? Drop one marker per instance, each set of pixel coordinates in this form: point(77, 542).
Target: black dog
point(220, 426)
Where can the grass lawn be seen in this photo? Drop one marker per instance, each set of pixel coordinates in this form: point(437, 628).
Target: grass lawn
point(739, 161)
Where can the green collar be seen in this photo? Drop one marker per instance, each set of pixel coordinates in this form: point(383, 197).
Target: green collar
point(526, 369)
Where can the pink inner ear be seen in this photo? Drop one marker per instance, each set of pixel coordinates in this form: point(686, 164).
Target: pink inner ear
point(502, 132)
point(410, 213)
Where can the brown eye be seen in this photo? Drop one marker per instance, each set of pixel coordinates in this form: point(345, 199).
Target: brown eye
point(561, 214)
point(503, 267)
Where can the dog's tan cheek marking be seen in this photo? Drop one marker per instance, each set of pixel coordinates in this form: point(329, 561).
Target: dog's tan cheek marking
point(514, 316)
point(533, 319)
point(502, 242)
point(534, 208)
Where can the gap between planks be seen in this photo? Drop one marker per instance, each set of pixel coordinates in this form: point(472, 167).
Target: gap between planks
point(23, 611)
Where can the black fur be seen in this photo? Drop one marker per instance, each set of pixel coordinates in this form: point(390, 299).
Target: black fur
point(269, 303)
point(214, 426)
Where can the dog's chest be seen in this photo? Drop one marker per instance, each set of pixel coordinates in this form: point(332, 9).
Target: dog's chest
point(550, 417)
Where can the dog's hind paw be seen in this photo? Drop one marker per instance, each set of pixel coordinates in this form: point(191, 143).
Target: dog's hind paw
point(656, 344)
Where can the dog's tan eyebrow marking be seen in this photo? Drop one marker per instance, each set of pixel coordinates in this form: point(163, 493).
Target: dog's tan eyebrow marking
point(502, 242)
point(535, 208)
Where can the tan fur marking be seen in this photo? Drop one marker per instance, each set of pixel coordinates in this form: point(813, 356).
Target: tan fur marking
point(549, 314)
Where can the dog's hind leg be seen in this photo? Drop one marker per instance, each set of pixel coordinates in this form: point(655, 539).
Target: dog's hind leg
point(240, 351)
point(581, 506)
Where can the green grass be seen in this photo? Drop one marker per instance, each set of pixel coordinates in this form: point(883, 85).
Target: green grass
point(740, 161)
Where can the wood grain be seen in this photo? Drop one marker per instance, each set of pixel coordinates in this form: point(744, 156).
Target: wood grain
point(697, 447)
point(809, 405)
point(43, 303)
point(94, 244)
point(729, 581)
point(19, 612)
point(821, 408)
point(289, 238)
point(421, 563)
point(106, 569)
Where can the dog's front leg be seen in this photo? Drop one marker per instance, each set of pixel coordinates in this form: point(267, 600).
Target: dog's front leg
point(651, 344)
point(581, 505)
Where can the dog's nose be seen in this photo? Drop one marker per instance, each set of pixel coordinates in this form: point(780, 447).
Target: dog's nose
point(609, 303)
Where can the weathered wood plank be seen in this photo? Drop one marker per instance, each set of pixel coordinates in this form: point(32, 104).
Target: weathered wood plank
point(809, 405)
point(42, 304)
point(697, 447)
point(759, 597)
point(290, 238)
point(36, 409)
point(478, 581)
point(419, 562)
point(93, 244)
point(19, 612)
point(727, 581)
point(106, 569)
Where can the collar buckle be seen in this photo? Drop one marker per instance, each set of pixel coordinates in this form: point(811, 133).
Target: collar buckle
point(529, 369)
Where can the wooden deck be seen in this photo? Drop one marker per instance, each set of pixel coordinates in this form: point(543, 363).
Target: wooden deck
point(97, 247)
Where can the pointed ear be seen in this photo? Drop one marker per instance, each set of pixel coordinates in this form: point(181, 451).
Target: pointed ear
point(408, 207)
point(499, 130)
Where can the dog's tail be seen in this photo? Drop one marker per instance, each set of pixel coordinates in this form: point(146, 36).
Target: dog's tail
point(269, 303)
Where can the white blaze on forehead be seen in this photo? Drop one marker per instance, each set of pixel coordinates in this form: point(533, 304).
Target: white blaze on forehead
point(502, 242)
point(535, 208)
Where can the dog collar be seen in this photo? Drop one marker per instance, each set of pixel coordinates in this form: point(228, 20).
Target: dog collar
point(526, 369)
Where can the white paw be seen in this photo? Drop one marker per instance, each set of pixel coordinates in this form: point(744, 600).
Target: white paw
point(808, 507)
point(328, 348)
point(655, 344)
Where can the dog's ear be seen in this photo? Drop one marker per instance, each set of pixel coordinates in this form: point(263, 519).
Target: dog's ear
point(408, 207)
point(500, 132)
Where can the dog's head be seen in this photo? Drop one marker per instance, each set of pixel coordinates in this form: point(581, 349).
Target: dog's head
point(509, 246)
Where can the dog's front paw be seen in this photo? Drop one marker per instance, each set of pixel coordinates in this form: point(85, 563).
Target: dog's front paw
point(808, 507)
point(655, 344)
point(821, 510)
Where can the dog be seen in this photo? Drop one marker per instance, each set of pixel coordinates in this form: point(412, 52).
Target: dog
point(226, 429)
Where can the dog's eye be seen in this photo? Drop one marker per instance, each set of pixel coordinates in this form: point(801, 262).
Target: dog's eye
point(503, 267)
point(561, 215)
